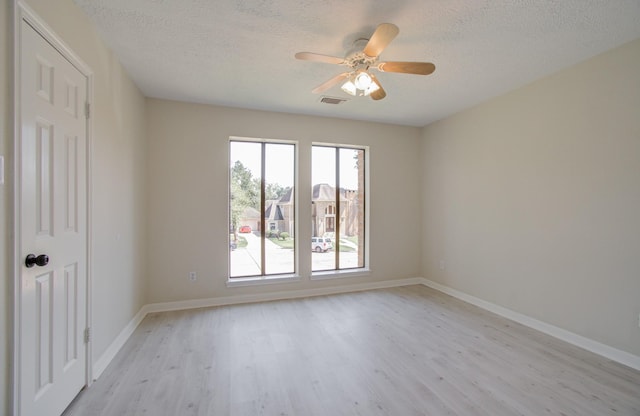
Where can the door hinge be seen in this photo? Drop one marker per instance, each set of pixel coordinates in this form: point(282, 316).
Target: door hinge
point(87, 110)
point(87, 335)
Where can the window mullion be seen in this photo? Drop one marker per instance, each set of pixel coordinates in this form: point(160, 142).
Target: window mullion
point(337, 213)
point(262, 211)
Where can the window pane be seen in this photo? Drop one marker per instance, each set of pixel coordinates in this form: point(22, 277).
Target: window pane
point(351, 180)
point(244, 228)
point(338, 208)
point(261, 205)
point(279, 208)
point(323, 208)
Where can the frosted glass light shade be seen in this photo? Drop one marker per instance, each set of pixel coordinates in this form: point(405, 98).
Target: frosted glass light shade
point(363, 81)
point(373, 87)
point(349, 87)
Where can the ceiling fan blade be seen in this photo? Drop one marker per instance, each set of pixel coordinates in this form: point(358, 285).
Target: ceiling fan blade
point(380, 93)
point(418, 68)
point(316, 57)
point(333, 81)
point(384, 34)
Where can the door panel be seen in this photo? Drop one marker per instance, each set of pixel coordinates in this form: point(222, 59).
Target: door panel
point(53, 212)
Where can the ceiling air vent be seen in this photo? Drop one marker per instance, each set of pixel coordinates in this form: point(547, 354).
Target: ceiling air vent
point(332, 100)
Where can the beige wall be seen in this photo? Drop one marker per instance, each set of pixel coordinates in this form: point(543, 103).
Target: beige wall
point(119, 174)
point(532, 199)
point(188, 171)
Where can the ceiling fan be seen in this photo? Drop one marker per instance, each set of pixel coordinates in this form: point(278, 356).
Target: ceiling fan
point(359, 79)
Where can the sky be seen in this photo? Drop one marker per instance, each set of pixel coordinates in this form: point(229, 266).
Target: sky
point(279, 163)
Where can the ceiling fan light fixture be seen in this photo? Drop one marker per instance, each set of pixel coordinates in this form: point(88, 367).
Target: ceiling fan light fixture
point(372, 88)
point(360, 84)
point(363, 80)
point(349, 87)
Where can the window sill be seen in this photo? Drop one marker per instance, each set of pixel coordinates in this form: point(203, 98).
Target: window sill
point(261, 280)
point(339, 274)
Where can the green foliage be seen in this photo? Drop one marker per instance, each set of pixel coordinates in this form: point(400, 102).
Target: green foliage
point(278, 235)
point(245, 192)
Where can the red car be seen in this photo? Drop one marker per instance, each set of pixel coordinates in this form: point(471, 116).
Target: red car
point(245, 229)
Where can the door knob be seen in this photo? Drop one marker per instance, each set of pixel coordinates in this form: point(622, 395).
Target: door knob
point(32, 260)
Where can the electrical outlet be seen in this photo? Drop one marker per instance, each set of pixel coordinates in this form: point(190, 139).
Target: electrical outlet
point(441, 264)
point(192, 276)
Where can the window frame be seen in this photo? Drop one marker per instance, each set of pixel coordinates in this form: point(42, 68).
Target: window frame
point(354, 271)
point(265, 278)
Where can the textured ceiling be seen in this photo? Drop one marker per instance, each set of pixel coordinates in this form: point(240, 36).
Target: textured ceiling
point(240, 53)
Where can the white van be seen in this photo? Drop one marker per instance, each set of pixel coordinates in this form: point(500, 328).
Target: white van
point(320, 244)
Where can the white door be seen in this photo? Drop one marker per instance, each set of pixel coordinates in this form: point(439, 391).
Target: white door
point(53, 211)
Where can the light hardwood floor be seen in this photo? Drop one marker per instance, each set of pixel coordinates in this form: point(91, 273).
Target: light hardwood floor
point(401, 351)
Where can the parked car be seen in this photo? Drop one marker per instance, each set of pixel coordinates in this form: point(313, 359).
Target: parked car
point(245, 229)
point(320, 244)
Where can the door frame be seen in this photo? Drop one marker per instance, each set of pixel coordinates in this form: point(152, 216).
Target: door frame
point(23, 12)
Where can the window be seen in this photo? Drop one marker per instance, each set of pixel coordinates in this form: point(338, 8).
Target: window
point(261, 209)
point(338, 208)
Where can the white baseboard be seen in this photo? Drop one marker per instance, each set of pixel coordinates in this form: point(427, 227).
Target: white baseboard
point(291, 294)
point(604, 350)
point(101, 364)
